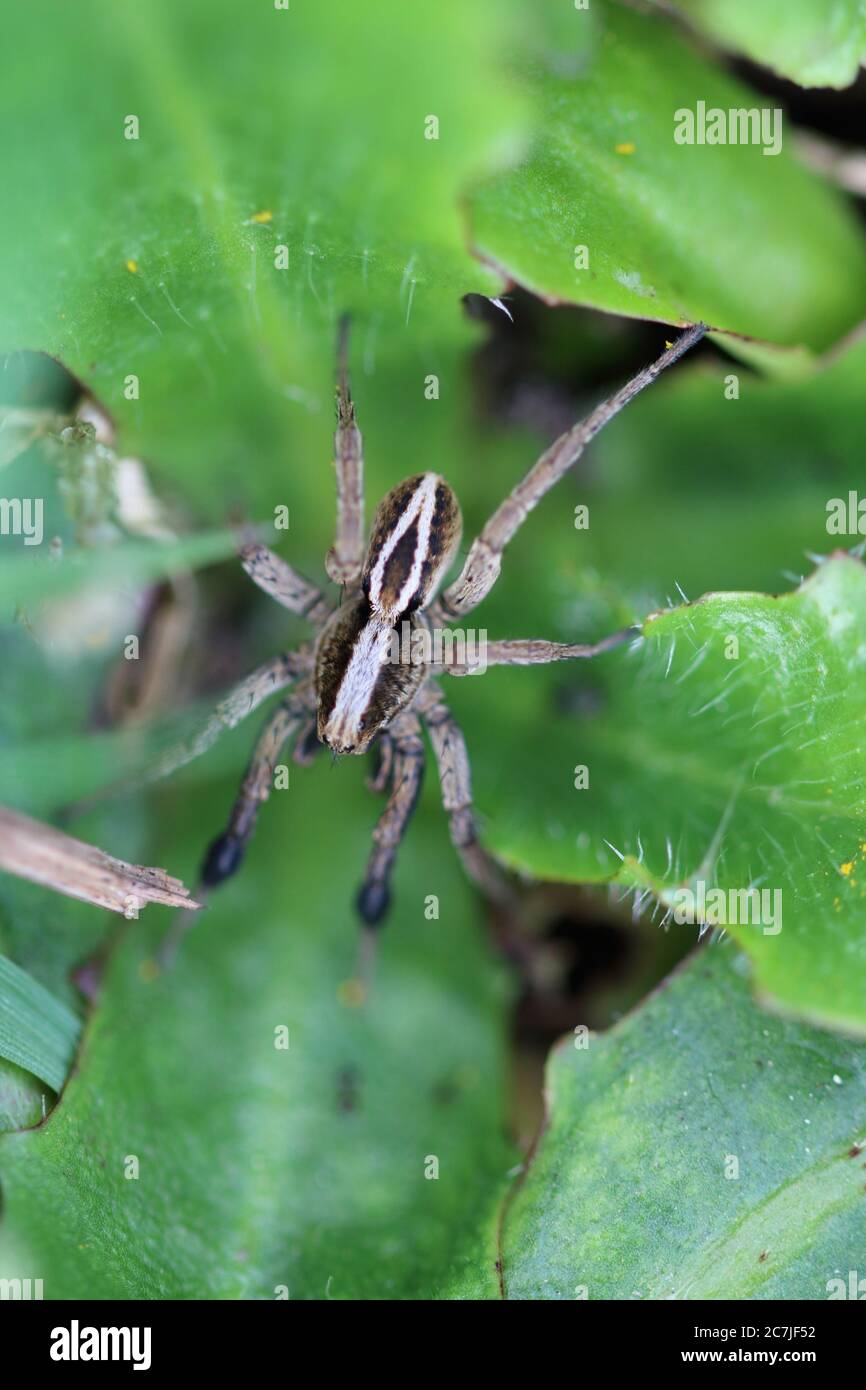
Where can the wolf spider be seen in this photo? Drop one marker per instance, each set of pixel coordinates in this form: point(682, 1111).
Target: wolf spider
point(346, 690)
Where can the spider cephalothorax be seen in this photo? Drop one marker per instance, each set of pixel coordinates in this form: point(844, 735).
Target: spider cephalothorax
point(355, 685)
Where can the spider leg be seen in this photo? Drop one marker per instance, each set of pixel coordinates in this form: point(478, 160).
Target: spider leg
point(383, 750)
point(307, 745)
point(452, 758)
point(484, 560)
point(224, 854)
point(241, 700)
point(374, 896)
point(344, 561)
point(536, 652)
point(277, 578)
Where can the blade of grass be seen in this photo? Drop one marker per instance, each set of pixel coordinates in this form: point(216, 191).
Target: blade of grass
point(37, 1032)
point(27, 579)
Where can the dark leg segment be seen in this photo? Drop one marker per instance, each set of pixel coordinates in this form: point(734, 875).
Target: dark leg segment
point(383, 752)
point(407, 770)
point(225, 853)
point(307, 745)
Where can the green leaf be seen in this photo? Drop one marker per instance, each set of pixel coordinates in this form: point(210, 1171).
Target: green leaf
point(37, 1032)
point(633, 1192)
point(257, 1166)
point(749, 243)
point(144, 256)
point(818, 43)
point(736, 763)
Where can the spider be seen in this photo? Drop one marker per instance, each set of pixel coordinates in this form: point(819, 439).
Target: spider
point(351, 688)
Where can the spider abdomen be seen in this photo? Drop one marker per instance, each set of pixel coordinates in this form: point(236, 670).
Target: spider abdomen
point(365, 675)
point(416, 532)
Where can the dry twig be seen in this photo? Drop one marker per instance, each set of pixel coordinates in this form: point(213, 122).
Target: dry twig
point(47, 856)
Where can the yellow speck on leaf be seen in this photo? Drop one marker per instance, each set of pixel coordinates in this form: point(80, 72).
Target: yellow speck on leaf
point(351, 994)
point(846, 869)
point(667, 344)
point(148, 971)
point(132, 267)
point(265, 216)
point(627, 147)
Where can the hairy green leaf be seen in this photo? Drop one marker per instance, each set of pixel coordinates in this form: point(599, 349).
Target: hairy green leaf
point(725, 750)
